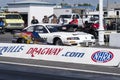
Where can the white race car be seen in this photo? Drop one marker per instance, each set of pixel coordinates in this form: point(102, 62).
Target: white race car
point(60, 35)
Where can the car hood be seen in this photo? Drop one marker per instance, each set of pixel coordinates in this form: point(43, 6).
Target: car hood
point(72, 33)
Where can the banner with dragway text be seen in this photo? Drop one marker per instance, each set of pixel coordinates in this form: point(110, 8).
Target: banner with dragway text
point(70, 54)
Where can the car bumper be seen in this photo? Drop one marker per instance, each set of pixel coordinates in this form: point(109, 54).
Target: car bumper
point(87, 44)
point(75, 43)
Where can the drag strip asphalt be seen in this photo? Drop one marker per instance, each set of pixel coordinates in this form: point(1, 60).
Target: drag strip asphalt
point(76, 68)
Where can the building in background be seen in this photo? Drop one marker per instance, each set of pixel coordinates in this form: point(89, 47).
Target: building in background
point(81, 10)
point(32, 8)
point(113, 10)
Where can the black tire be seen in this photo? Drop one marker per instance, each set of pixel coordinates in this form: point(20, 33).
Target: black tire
point(21, 40)
point(3, 31)
point(58, 42)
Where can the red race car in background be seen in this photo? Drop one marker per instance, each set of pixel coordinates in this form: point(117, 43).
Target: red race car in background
point(95, 25)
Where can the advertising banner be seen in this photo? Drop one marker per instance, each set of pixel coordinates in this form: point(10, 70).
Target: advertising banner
point(70, 54)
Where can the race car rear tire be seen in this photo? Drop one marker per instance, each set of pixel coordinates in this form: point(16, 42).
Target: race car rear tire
point(21, 40)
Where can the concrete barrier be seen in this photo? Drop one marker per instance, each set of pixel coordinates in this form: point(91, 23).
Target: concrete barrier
point(70, 54)
point(114, 40)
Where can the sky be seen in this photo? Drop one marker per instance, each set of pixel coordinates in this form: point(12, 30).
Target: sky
point(93, 2)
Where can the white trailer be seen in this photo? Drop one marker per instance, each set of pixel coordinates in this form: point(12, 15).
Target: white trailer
point(39, 12)
point(60, 11)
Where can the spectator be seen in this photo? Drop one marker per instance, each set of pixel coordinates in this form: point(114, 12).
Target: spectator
point(54, 20)
point(45, 19)
point(74, 21)
point(61, 20)
point(2, 24)
point(86, 27)
point(34, 20)
point(86, 24)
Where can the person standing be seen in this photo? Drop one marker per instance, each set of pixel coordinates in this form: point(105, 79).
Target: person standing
point(74, 21)
point(45, 19)
point(54, 20)
point(34, 20)
point(2, 25)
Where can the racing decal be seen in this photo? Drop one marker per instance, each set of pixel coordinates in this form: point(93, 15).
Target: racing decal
point(102, 56)
point(73, 54)
point(44, 38)
point(10, 49)
point(44, 51)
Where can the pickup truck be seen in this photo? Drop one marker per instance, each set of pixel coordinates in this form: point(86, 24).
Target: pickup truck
point(66, 18)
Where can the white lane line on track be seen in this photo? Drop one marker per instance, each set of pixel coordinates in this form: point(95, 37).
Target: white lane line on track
point(62, 68)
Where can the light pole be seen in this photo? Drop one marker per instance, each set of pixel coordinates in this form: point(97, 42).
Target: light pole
point(14, 1)
point(101, 28)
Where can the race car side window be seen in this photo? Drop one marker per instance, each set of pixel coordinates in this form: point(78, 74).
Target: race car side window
point(52, 28)
point(40, 29)
point(30, 29)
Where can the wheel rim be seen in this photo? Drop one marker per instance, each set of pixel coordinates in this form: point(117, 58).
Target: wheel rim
point(22, 41)
point(58, 42)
